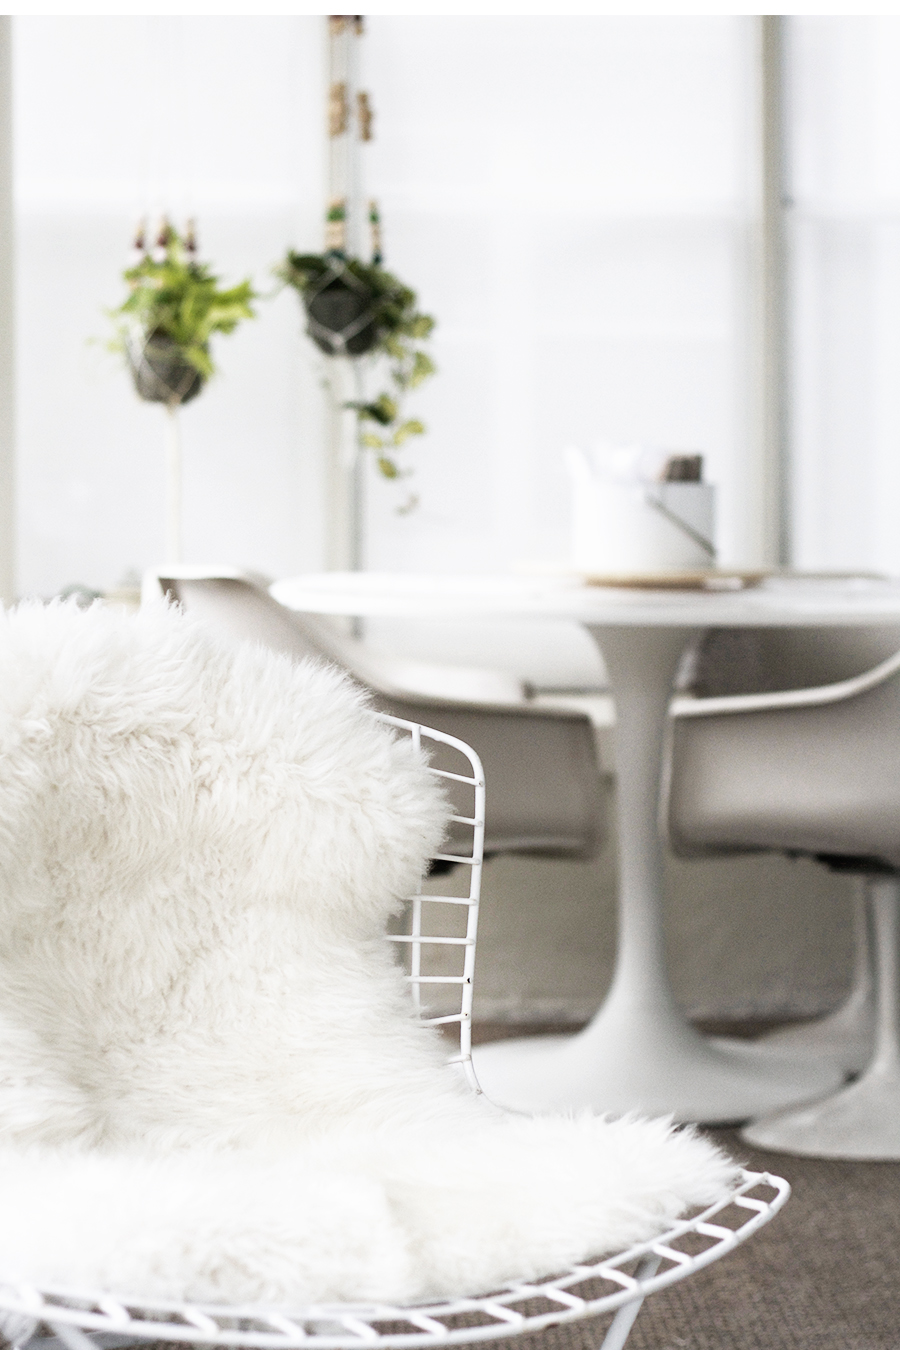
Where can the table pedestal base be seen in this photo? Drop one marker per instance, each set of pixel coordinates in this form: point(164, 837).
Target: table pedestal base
point(863, 1121)
point(664, 1069)
point(860, 1124)
point(639, 1053)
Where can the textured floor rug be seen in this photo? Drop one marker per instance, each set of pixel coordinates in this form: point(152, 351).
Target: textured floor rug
point(824, 1275)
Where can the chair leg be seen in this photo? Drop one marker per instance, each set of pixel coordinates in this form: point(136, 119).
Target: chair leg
point(845, 1037)
point(620, 1327)
point(861, 1121)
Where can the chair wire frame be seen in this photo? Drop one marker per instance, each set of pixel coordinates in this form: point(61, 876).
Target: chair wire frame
point(78, 1319)
point(64, 1318)
point(418, 939)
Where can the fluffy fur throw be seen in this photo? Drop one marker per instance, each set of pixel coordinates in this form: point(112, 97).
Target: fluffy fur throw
point(212, 1082)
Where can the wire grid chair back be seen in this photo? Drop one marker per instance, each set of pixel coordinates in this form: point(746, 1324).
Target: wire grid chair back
point(424, 933)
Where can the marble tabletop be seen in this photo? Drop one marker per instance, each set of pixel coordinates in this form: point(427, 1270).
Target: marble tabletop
point(779, 600)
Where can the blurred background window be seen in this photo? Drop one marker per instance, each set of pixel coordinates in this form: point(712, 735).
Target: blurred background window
point(118, 118)
point(844, 143)
point(576, 200)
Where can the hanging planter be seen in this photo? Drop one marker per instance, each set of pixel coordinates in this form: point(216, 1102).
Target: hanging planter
point(174, 307)
point(354, 309)
point(164, 329)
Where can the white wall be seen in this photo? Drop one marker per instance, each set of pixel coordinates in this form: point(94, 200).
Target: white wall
point(114, 118)
point(845, 237)
point(572, 198)
point(7, 327)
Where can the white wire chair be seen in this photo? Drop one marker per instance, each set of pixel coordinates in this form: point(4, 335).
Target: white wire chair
point(61, 1318)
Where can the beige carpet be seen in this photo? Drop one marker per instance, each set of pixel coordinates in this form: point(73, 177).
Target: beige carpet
point(823, 1275)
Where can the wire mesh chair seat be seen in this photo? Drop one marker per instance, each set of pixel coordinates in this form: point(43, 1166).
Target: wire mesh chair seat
point(46, 1317)
point(616, 1284)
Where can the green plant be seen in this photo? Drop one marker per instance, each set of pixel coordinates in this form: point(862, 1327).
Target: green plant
point(354, 308)
point(174, 307)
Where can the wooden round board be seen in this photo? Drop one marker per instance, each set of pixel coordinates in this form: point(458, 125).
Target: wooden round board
point(706, 579)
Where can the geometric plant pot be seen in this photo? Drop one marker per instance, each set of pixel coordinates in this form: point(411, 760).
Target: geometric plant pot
point(160, 372)
point(339, 314)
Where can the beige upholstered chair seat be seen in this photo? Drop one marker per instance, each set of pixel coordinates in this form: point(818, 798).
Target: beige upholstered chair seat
point(815, 771)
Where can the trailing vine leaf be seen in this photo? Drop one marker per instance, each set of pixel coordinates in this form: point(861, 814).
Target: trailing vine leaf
point(423, 366)
point(354, 308)
point(406, 429)
point(384, 410)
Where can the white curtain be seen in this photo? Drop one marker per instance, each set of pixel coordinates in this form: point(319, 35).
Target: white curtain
point(573, 198)
point(569, 197)
point(118, 117)
point(844, 153)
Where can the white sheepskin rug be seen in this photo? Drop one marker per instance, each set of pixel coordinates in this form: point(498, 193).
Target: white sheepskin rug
point(213, 1085)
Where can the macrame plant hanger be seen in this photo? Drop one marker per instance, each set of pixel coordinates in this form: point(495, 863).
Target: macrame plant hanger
point(161, 375)
point(160, 372)
point(347, 233)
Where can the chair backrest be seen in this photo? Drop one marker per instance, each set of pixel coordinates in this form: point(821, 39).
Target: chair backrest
point(731, 661)
point(805, 771)
point(436, 927)
point(243, 607)
point(547, 797)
